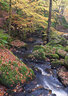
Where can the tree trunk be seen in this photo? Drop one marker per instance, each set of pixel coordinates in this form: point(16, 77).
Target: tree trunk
point(49, 21)
point(10, 16)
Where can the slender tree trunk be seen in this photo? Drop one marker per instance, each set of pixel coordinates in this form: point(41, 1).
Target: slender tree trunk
point(49, 21)
point(10, 16)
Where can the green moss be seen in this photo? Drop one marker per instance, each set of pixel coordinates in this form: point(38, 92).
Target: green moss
point(66, 61)
point(4, 38)
point(66, 49)
point(37, 47)
point(53, 56)
point(56, 63)
point(61, 53)
point(11, 74)
point(38, 54)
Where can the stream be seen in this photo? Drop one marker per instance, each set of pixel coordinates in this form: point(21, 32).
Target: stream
point(45, 76)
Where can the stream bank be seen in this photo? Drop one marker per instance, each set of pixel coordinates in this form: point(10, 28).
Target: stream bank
point(46, 82)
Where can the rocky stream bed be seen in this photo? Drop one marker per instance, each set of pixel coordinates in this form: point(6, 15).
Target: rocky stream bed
point(46, 82)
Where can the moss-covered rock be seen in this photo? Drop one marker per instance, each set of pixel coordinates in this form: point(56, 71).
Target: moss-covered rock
point(61, 53)
point(66, 49)
point(53, 56)
point(38, 55)
point(12, 70)
point(47, 50)
point(18, 43)
point(37, 47)
point(66, 61)
point(56, 63)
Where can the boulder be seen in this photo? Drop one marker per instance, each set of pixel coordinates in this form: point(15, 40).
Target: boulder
point(66, 60)
point(61, 53)
point(53, 56)
point(37, 47)
point(18, 43)
point(63, 75)
point(56, 63)
point(12, 70)
point(30, 40)
point(66, 36)
point(49, 71)
point(38, 55)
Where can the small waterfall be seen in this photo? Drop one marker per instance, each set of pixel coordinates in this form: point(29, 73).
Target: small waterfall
point(52, 84)
point(43, 72)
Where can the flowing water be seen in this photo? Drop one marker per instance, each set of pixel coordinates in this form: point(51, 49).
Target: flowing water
point(45, 76)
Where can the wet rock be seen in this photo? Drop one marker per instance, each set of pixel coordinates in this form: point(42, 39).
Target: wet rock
point(66, 36)
point(50, 71)
point(34, 89)
point(18, 88)
point(3, 90)
point(37, 70)
point(47, 59)
point(61, 53)
point(50, 92)
point(63, 75)
point(53, 94)
point(30, 40)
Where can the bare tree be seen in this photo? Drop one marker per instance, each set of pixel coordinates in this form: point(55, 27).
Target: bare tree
point(49, 21)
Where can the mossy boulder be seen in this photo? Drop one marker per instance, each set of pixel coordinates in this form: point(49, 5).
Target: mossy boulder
point(66, 60)
point(47, 50)
point(37, 47)
point(12, 70)
point(56, 63)
point(53, 56)
point(38, 55)
point(18, 43)
point(61, 53)
point(66, 48)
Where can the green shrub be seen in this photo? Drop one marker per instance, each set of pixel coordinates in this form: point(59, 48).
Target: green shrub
point(4, 38)
point(4, 5)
